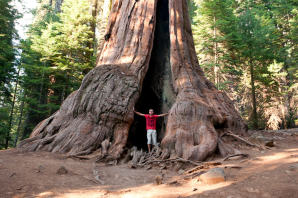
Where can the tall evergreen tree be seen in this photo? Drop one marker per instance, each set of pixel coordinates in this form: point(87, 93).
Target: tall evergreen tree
point(216, 38)
point(8, 33)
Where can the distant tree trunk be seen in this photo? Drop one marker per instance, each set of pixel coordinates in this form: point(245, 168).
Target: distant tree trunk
point(253, 93)
point(215, 55)
point(93, 13)
point(103, 25)
point(19, 125)
point(58, 6)
point(101, 109)
point(11, 112)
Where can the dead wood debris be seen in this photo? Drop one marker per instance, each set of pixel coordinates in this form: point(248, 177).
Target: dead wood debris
point(240, 138)
point(172, 182)
point(95, 180)
point(12, 174)
point(240, 154)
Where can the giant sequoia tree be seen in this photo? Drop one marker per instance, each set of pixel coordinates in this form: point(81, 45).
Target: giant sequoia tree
point(148, 60)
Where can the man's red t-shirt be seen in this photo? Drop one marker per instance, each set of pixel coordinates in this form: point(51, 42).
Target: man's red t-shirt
point(150, 121)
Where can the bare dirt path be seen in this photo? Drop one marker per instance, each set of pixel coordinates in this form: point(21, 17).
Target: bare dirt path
point(264, 173)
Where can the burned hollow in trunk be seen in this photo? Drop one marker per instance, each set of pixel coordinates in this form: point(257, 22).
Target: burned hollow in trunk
point(157, 90)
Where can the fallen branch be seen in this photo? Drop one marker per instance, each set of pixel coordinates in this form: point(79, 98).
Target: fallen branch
point(12, 174)
point(240, 154)
point(196, 174)
point(172, 182)
point(247, 142)
point(240, 138)
point(102, 182)
point(189, 161)
point(82, 157)
point(171, 160)
point(195, 168)
point(97, 178)
point(91, 180)
point(212, 163)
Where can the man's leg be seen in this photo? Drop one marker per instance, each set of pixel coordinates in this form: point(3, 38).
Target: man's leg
point(154, 136)
point(149, 139)
point(149, 147)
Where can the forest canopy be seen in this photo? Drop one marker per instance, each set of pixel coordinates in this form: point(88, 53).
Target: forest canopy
point(246, 48)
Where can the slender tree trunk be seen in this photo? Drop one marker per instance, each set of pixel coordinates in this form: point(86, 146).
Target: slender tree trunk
point(90, 44)
point(66, 88)
point(19, 125)
point(101, 109)
point(11, 112)
point(25, 132)
point(215, 55)
point(58, 6)
point(107, 4)
point(254, 103)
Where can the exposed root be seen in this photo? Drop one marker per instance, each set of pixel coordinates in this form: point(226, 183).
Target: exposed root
point(194, 175)
point(240, 154)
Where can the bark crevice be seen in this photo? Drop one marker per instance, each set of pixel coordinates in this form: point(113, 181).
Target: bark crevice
point(157, 90)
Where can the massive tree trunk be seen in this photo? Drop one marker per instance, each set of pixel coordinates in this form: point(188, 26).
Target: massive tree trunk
point(148, 59)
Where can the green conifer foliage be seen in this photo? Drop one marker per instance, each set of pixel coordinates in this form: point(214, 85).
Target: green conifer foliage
point(8, 52)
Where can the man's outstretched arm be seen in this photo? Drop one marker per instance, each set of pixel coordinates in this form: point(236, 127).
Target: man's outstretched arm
point(163, 114)
point(137, 112)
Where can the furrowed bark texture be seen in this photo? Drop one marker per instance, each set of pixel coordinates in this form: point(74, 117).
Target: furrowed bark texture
point(101, 110)
point(199, 107)
point(102, 107)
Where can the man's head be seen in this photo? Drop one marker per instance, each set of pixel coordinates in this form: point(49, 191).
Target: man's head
point(151, 112)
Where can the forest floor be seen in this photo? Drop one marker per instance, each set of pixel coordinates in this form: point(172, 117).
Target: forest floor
point(264, 173)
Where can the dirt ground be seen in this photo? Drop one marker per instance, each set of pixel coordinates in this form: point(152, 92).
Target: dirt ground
point(264, 173)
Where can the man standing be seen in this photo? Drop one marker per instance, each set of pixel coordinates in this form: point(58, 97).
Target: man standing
point(151, 126)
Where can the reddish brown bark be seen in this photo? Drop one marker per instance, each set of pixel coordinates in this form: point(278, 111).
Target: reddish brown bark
point(101, 110)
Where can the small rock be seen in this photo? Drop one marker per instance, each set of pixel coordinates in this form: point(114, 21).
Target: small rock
point(178, 167)
point(181, 171)
point(252, 190)
point(39, 168)
point(258, 138)
point(293, 167)
point(1, 160)
point(62, 170)
point(20, 188)
point(149, 167)
point(194, 189)
point(158, 179)
point(131, 165)
point(213, 176)
point(289, 172)
point(262, 151)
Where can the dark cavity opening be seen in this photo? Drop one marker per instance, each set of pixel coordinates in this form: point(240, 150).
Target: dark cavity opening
point(157, 91)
